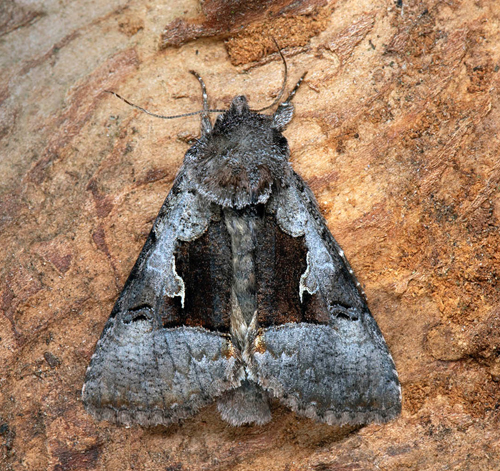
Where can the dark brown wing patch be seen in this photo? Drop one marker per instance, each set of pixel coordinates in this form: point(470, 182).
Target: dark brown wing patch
point(205, 267)
point(280, 262)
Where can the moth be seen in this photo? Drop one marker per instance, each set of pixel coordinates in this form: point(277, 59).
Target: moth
point(241, 296)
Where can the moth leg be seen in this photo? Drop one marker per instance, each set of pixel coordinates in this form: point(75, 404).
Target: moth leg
point(284, 113)
point(206, 124)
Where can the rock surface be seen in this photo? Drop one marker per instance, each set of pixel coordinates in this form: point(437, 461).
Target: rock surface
point(396, 132)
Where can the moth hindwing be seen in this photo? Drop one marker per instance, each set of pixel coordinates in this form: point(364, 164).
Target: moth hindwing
point(240, 295)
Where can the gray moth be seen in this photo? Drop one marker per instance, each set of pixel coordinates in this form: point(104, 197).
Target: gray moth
point(241, 296)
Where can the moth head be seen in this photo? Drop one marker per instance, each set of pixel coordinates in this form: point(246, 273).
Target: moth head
point(239, 105)
point(239, 160)
point(242, 158)
point(279, 120)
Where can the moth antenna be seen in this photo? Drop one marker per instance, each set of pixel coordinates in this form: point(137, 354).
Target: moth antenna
point(206, 124)
point(193, 113)
point(280, 94)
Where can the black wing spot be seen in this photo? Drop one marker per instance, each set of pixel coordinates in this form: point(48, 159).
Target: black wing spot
point(349, 313)
point(143, 312)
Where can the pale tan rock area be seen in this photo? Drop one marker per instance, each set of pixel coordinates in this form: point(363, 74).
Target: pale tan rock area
point(396, 132)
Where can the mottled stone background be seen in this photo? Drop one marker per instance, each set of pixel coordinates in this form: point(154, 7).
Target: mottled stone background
point(396, 132)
